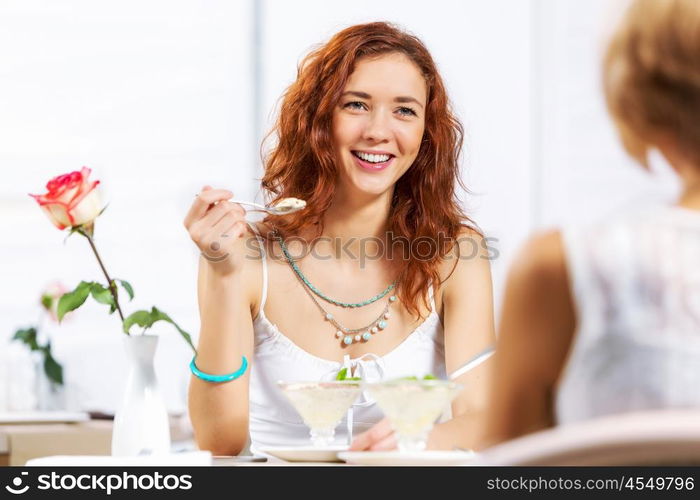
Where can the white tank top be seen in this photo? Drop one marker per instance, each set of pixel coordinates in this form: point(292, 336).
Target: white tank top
point(273, 420)
point(636, 289)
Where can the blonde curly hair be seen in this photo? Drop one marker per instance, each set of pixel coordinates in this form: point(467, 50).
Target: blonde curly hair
point(651, 77)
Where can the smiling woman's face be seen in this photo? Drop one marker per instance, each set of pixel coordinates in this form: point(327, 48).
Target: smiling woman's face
point(379, 122)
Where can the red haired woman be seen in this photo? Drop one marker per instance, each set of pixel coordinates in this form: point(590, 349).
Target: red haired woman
point(381, 273)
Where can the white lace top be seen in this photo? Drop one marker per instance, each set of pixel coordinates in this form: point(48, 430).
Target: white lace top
point(273, 420)
point(636, 288)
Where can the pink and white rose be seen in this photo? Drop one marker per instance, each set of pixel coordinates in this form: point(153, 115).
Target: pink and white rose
point(72, 199)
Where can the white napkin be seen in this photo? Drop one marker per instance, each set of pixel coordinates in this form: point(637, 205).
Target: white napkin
point(175, 459)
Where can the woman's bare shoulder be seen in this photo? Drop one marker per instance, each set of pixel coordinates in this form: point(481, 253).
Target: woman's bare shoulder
point(253, 271)
point(469, 254)
point(538, 295)
point(542, 257)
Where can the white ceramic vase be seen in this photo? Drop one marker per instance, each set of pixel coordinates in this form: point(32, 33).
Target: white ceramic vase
point(141, 422)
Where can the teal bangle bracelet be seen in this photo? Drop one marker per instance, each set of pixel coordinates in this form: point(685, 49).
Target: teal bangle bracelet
point(207, 377)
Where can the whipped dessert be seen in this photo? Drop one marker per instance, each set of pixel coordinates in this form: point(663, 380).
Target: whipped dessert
point(412, 407)
point(321, 405)
point(290, 204)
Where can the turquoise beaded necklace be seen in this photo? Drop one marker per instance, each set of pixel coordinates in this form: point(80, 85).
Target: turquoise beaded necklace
point(348, 335)
point(321, 294)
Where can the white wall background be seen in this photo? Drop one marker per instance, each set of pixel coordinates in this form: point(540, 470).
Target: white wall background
point(162, 96)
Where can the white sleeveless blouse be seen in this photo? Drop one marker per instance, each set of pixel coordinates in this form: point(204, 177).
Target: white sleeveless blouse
point(273, 420)
point(636, 289)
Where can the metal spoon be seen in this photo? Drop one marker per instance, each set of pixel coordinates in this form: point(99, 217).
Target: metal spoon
point(473, 363)
point(271, 209)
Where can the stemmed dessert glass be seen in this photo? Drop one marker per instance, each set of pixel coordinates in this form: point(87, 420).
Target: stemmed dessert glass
point(412, 407)
point(321, 405)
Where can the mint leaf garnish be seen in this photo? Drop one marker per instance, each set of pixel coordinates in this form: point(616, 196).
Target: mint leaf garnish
point(343, 375)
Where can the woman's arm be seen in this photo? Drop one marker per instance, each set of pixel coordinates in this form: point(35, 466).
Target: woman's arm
point(219, 411)
point(469, 329)
point(535, 332)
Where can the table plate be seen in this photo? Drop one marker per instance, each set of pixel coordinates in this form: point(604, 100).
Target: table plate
point(408, 458)
point(305, 453)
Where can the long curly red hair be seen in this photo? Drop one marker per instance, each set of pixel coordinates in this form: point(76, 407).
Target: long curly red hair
point(302, 163)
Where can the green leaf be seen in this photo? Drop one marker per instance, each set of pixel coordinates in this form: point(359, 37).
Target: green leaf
point(147, 318)
point(142, 318)
point(128, 288)
point(28, 337)
point(72, 300)
point(47, 301)
point(161, 316)
point(429, 376)
point(343, 375)
point(101, 294)
point(53, 370)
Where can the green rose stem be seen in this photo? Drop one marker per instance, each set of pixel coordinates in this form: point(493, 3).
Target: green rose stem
point(112, 286)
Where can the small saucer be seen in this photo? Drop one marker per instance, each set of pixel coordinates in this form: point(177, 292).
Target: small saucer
point(408, 458)
point(305, 453)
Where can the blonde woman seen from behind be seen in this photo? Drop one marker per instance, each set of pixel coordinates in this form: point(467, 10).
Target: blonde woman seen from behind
point(605, 319)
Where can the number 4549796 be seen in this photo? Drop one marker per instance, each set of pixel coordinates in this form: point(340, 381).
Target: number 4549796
point(660, 483)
